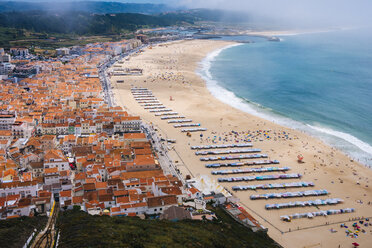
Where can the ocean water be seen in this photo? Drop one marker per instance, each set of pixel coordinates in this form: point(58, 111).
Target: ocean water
point(320, 83)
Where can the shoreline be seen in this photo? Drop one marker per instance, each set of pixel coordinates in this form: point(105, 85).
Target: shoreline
point(276, 33)
point(292, 32)
point(169, 70)
point(325, 134)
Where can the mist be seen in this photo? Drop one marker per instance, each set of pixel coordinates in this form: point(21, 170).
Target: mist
point(267, 13)
point(294, 13)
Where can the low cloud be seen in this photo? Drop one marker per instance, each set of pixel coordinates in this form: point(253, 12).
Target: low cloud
point(299, 12)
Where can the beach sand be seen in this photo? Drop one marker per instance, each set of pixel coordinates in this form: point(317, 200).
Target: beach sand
point(169, 70)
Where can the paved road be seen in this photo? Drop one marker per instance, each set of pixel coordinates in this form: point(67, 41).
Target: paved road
point(45, 239)
point(105, 80)
point(164, 160)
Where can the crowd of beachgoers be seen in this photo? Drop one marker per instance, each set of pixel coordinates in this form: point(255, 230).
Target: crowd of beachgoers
point(248, 136)
point(168, 76)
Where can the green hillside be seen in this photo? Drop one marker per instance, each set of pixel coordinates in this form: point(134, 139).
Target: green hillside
point(84, 23)
point(78, 229)
point(15, 232)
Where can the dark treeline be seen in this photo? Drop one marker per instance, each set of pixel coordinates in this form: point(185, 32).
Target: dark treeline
point(84, 6)
point(86, 24)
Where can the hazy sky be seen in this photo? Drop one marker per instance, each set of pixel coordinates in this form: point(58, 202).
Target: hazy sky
point(317, 12)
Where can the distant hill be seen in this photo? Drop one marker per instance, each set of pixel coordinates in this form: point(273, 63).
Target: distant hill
point(103, 7)
point(213, 15)
point(85, 6)
point(83, 23)
point(86, 24)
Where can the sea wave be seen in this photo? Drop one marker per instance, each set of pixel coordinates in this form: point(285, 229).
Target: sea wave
point(345, 136)
point(352, 146)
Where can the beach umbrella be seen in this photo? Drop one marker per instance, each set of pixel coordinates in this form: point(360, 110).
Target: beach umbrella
point(300, 158)
point(355, 244)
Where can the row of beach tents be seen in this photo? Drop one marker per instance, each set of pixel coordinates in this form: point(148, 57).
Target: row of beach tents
point(142, 98)
point(169, 113)
point(152, 104)
point(180, 121)
point(141, 92)
point(238, 164)
point(145, 96)
point(290, 194)
point(273, 186)
point(187, 125)
point(250, 170)
point(139, 89)
point(155, 107)
point(148, 101)
point(316, 213)
point(221, 146)
point(227, 151)
point(160, 110)
point(172, 117)
point(245, 156)
point(193, 130)
point(317, 202)
point(259, 178)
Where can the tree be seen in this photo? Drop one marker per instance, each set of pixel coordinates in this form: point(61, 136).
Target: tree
point(76, 208)
point(204, 218)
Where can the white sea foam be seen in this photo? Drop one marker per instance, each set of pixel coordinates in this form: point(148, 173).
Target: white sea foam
point(349, 144)
point(345, 136)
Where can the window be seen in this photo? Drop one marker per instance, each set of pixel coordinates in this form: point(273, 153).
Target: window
point(155, 209)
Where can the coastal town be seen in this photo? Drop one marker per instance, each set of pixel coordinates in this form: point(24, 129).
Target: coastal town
point(185, 124)
point(119, 129)
point(64, 144)
point(60, 138)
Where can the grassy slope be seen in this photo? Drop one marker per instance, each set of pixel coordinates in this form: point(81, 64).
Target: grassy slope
point(15, 232)
point(78, 229)
point(10, 37)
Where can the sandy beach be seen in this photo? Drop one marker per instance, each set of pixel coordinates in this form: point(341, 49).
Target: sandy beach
point(169, 70)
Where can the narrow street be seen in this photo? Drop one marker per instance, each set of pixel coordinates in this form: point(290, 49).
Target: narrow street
point(45, 239)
